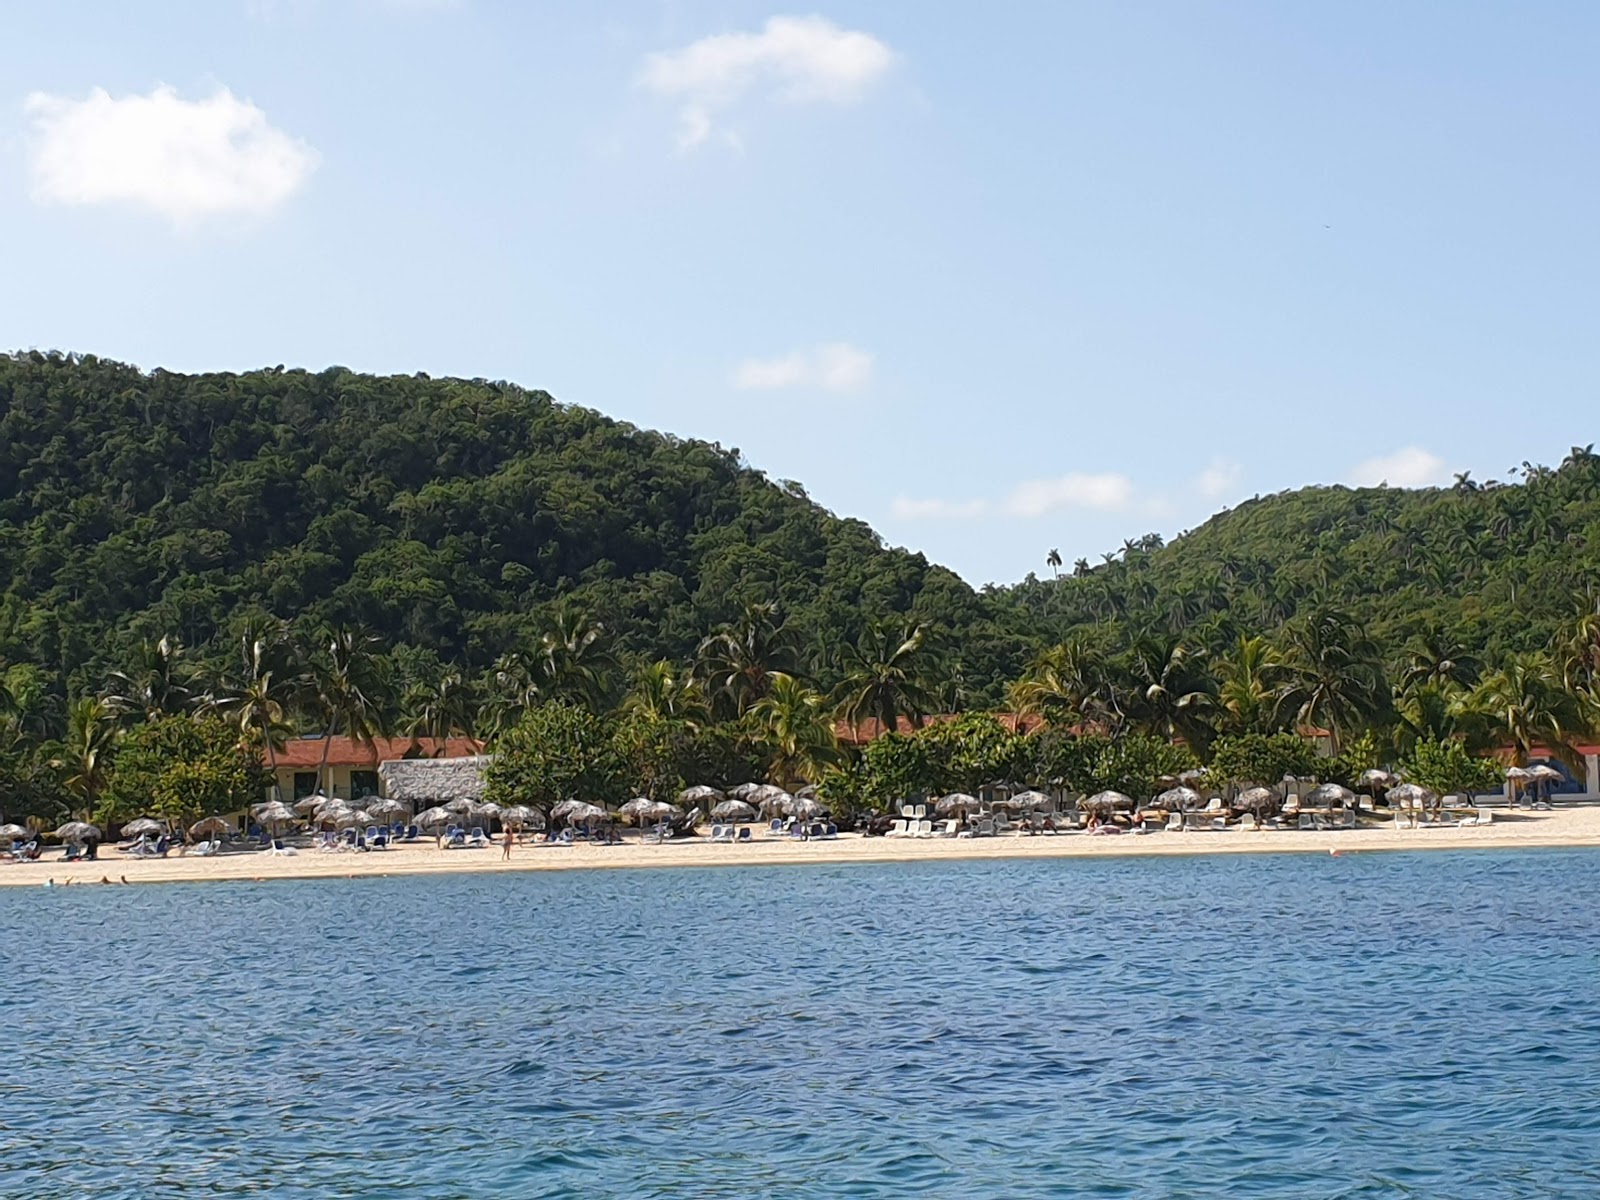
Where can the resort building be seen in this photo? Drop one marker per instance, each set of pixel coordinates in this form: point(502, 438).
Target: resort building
point(350, 770)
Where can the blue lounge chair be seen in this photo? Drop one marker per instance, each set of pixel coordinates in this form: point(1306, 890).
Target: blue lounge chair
point(744, 834)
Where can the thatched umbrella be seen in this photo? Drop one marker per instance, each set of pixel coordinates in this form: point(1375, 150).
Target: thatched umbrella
point(462, 806)
point(957, 803)
point(803, 807)
point(767, 791)
point(520, 816)
point(143, 826)
point(273, 812)
point(432, 818)
point(1179, 799)
point(1330, 795)
point(733, 810)
point(1258, 799)
point(388, 806)
point(576, 812)
point(639, 809)
point(206, 826)
point(13, 831)
point(1031, 800)
point(745, 792)
point(773, 802)
point(809, 791)
point(1410, 795)
point(1547, 775)
point(79, 832)
point(1107, 801)
point(699, 794)
point(1194, 775)
point(310, 804)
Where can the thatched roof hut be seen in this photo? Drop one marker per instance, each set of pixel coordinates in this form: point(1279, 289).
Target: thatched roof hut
point(423, 782)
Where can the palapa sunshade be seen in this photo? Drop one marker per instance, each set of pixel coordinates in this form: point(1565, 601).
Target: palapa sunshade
point(432, 818)
point(1194, 775)
point(566, 808)
point(1107, 801)
point(79, 831)
point(310, 803)
point(803, 807)
point(274, 812)
point(387, 806)
point(772, 801)
point(1257, 798)
point(1329, 795)
point(1031, 799)
point(582, 811)
point(207, 825)
point(1409, 795)
point(1373, 777)
point(746, 791)
point(1518, 773)
point(142, 826)
point(461, 806)
point(1179, 798)
point(955, 802)
point(638, 809)
point(488, 810)
point(13, 831)
point(733, 810)
point(1546, 772)
point(698, 794)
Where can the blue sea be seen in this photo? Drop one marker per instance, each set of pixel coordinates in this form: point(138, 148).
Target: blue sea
point(1372, 1025)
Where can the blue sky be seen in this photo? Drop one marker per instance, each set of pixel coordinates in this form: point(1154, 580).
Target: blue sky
point(995, 279)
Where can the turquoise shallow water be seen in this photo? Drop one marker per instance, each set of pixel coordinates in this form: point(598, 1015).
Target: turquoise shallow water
point(1375, 1025)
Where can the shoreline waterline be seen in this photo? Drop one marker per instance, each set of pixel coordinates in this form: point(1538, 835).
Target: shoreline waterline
point(1565, 828)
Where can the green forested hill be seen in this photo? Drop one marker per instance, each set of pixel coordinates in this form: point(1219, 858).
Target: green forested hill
point(449, 516)
point(1499, 568)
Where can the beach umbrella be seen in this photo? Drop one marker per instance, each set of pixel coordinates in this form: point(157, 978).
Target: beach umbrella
point(1546, 772)
point(274, 812)
point(766, 791)
point(1180, 798)
point(13, 831)
point(771, 803)
point(461, 807)
point(733, 810)
point(1409, 795)
point(1330, 795)
point(1031, 800)
point(1107, 801)
point(810, 791)
point(803, 807)
point(566, 808)
point(432, 818)
point(519, 816)
point(638, 808)
point(310, 803)
point(955, 802)
point(745, 792)
point(1373, 777)
point(79, 831)
point(1194, 775)
point(210, 825)
point(489, 811)
point(143, 826)
point(697, 795)
point(1257, 798)
point(576, 812)
point(388, 806)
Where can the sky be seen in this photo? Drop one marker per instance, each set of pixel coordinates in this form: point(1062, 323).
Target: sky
point(996, 279)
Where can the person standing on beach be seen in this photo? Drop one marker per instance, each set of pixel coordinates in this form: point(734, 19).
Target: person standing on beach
point(506, 843)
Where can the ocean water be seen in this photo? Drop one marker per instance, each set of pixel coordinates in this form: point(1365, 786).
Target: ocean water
point(1372, 1025)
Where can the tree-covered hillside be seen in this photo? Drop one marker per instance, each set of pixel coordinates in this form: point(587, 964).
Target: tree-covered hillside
point(1498, 567)
point(448, 517)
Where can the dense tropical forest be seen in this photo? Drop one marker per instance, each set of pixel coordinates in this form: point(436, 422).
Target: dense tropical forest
point(191, 564)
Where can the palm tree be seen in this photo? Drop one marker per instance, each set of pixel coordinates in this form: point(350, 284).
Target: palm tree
point(92, 732)
point(664, 692)
point(737, 663)
point(883, 676)
point(1434, 658)
point(571, 661)
point(1337, 680)
point(1252, 684)
point(259, 693)
point(1067, 684)
point(791, 722)
point(1053, 561)
point(438, 710)
point(1172, 691)
point(1528, 705)
point(158, 684)
point(349, 692)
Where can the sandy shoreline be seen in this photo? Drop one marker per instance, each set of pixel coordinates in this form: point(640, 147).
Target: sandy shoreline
point(1577, 826)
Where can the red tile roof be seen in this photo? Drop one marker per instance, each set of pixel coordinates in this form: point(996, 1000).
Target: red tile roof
point(305, 754)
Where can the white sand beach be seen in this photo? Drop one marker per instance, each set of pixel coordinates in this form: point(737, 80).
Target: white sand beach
point(1563, 827)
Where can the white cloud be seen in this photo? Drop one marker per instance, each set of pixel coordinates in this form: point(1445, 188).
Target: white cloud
point(796, 59)
point(1108, 492)
point(903, 508)
point(184, 159)
point(1409, 468)
point(1035, 498)
point(1219, 478)
point(832, 367)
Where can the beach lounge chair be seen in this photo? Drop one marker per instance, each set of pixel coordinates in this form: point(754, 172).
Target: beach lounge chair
point(922, 811)
point(985, 828)
point(898, 829)
point(1175, 823)
point(381, 842)
point(477, 839)
point(775, 827)
point(1249, 823)
point(951, 828)
point(208, 849)
point(744, 834)
point(722, 833)
point(280, 849)
point(1484, 817)
point(908, 811)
